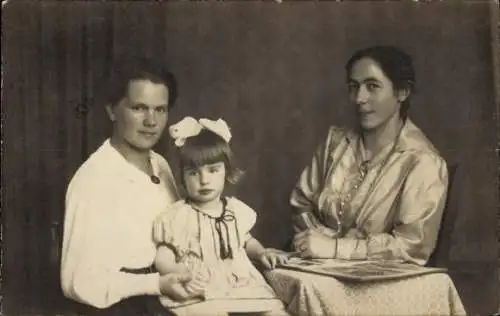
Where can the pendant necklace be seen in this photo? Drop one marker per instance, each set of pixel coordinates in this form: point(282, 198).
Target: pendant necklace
point(153, 177)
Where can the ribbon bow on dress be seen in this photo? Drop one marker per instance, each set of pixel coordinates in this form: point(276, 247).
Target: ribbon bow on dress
point(189, 127)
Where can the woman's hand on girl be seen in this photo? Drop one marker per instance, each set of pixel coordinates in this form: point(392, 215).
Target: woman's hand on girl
point(198, 285)
point(312, 244)
point(173, 286)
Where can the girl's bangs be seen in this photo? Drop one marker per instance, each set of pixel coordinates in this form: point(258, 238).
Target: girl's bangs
point(193, 157)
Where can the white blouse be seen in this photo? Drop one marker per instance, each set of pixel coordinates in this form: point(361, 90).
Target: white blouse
point(110, 208)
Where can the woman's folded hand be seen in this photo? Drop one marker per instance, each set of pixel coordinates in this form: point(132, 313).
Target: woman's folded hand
point(312, 244)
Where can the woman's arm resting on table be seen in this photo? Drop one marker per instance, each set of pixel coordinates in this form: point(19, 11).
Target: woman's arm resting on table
point(311, 180)
point(304, 201)
point(313, 244)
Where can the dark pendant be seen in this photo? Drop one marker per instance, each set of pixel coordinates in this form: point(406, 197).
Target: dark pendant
point(155, 179)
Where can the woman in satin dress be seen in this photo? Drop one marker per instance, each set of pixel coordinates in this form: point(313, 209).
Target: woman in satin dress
point(377, 191)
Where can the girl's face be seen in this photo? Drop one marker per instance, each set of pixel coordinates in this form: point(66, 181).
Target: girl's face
point(205, 184)
point(373, 94)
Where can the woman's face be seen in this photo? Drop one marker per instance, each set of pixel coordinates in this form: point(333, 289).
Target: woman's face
point(140, 117)
point(373, 94)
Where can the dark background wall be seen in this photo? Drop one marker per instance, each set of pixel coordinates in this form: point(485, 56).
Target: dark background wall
point(275, 73)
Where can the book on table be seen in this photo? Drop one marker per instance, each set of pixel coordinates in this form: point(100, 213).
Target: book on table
point(359, 271)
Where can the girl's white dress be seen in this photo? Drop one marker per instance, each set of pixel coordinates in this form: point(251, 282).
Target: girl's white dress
point(212, 245)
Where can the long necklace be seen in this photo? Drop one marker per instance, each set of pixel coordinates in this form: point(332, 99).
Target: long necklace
point(347, 198)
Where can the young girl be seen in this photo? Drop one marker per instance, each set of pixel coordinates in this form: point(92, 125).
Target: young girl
point(209, 234)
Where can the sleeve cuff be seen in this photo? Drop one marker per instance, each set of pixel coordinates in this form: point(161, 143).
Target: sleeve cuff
point(140, 284)
point(350, 248)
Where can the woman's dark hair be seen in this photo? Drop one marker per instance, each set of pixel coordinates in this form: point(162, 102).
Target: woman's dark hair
point(207, 148)
point(124, 69)
point(396, 65)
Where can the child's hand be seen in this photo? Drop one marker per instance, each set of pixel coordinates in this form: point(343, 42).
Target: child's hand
point(269, 258)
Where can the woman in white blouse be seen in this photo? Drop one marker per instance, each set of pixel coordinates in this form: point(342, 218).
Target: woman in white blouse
point(115, 195)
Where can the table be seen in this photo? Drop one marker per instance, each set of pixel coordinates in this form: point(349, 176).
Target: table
point(308, 294)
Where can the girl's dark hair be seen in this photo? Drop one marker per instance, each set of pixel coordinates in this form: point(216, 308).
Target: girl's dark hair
point(207, 148)
point(126, 68)
point(396, 65)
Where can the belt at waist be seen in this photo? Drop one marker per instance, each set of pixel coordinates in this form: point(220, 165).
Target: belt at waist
point(145, 270)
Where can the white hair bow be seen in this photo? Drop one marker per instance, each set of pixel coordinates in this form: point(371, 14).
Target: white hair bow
point(189, 127)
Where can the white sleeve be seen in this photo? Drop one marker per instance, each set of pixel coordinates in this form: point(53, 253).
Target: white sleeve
point(246, 217)
point(90, 266)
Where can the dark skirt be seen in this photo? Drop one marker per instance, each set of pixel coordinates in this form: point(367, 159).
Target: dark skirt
point(134, 306)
